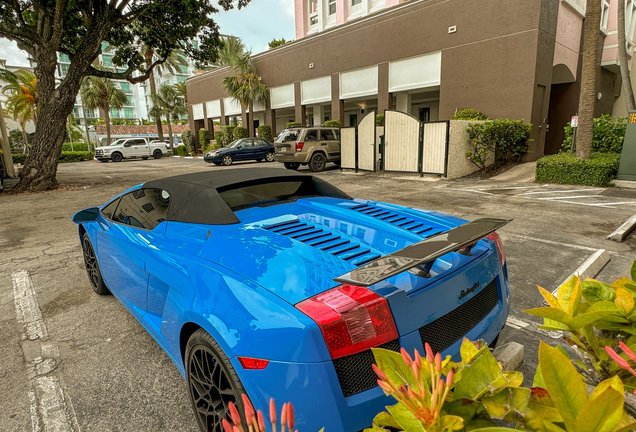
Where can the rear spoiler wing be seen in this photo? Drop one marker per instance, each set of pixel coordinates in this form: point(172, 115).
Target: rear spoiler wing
point(420, 257)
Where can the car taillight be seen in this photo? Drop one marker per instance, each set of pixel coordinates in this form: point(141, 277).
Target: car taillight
point(253, 363)
point(495, 237)
point(299, 146)
point(352, 319)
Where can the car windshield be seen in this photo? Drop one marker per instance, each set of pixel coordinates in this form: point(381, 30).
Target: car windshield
point(288, 135)
point(117, 142)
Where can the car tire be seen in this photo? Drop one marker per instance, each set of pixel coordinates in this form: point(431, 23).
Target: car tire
point(1, 184)
point(269, 157)
point(217, 163)
point(258, 160)
point(157, 154)
point(210, 377)
point(92, 267)
point(318, 162)
point(116, 157)
point(292, 165)
point(227, 160)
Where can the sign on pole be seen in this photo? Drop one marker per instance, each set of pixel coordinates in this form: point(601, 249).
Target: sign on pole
point(575, 121)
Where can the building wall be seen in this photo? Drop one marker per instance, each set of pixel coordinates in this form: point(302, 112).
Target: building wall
point(474, 72)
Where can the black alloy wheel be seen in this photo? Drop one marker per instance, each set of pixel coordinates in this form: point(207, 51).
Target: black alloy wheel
point(157, 154)
point(212, 381)
point(292, 165)
point(318, 162)
point(269, 157)
point(92, 267)
point(116, 157)
point(227, 160)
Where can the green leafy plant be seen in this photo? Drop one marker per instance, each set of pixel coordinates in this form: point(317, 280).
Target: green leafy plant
point(607, 137)
point(333, 123)
point(439, 395)
point(77, 146)
point(292, 124)
point(469, 114)
point(188, 142)
point(565, 168)
point(225, 136)
point(204, 138)
point(379, 120)
point(506, 139)
point(265, 132)
point(240, 132)
point(76, 156)
point(181, 151)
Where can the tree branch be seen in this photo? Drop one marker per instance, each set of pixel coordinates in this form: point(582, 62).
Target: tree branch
point(58, 25)
point(16, 33)
point(126, 75)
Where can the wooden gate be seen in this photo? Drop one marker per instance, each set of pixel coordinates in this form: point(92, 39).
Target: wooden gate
point(348, 147)
point(402, 139)
point(366, 143)
point(435, 147)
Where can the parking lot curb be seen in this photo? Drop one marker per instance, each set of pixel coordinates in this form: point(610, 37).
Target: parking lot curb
point(624, 230)
point(590, 268)
point(509, 355)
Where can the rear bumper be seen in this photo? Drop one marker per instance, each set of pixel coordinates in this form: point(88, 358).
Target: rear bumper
point(292, 157)
point(315, 390)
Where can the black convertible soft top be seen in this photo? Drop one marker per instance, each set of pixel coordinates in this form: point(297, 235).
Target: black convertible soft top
point(194, 198)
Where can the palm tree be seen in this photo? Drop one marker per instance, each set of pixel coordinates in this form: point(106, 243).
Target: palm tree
point(103, 94)
point(628, 91)
point(589, 71)
point(21, 90)
point(230, 53)
point(22, 114)
point(172, 64)
point(246, 88)
point(182, 91)
point(167, 102)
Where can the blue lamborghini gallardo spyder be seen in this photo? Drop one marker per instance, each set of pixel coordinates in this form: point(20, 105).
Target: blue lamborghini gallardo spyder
point(277, 284)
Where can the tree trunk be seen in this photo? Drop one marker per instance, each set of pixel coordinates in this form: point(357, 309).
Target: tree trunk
point(628, 91)
point(107, 123)
point(88, 137)
point(24, 137)
point(244, 119)
point(153, 91)
point(170, 132)
point(250, 121)
point(589, 72)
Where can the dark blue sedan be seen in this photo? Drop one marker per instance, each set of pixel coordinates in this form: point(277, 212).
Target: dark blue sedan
point(240, 150)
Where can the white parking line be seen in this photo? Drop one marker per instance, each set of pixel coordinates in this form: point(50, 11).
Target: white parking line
point(51, 409)
point(567, 197)
point(559, 191)
point(520, 324)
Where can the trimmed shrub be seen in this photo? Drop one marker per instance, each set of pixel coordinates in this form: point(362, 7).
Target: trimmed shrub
point(188, 142)
point(225, 135)
point(241, 132)
point(19, 158)
point(293, 124)
point(204, 138)
point(333, 123)
point(565, 168)
point(379, 120)
point(265, 132)
point(507, 139)
point(607, 137)
point(469, 114)
point(181, 151)
point(76, 156)
point(78, 147)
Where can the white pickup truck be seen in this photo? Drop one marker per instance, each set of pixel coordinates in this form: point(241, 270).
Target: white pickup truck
point(128, 148)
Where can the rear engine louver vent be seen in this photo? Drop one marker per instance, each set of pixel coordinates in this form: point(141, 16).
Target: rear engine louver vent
point(405, 222)
point(337, 244)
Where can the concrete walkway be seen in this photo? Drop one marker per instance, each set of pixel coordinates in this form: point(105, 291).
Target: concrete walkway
point(520, 173)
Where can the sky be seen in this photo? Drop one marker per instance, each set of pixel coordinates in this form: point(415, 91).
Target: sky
point(257, 24)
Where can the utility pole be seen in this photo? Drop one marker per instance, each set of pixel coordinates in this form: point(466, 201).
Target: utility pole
point(6, 149)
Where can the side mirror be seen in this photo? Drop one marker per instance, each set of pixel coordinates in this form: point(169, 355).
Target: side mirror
point(86, 215)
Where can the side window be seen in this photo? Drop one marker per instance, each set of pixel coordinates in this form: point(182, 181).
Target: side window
point(327, 134)
point(143, 208)
point(245, 143)
point(142, 142)
point(260, 143)
point(109, 210)
point(311, 135)
point(337, 132)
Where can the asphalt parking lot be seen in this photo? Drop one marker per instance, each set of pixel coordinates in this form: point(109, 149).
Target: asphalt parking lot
point(94, 368)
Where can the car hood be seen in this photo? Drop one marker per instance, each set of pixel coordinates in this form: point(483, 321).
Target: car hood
point(108, 147)
point(296, 249)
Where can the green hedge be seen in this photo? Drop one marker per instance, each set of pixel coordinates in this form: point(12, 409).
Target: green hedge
point(186, 136)
point(507, 139)
point(565, 168)
point(292, 125)
point(265, 132)
point(333, 123)
point(241, 132)
point(19, 158)
point(469, 114)
point(225, 136)
point(181, 151)
point(78, 147)
point(379, 120)
point(204, 138)
point(76, 156)
point(607, 137)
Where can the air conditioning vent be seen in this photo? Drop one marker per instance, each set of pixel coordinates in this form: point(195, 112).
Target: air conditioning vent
point(416, 226)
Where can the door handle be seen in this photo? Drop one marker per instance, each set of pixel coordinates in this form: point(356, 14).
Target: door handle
point(323, 143)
